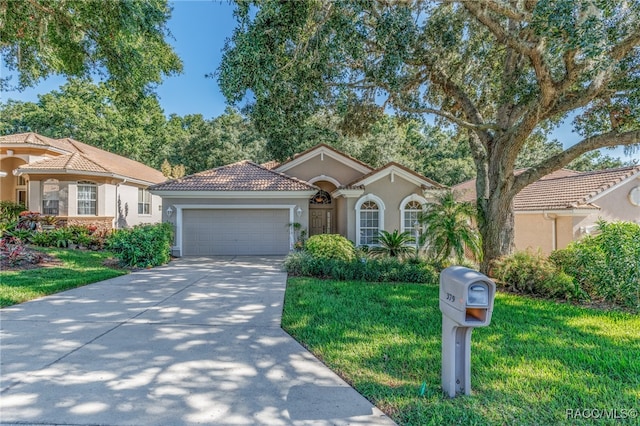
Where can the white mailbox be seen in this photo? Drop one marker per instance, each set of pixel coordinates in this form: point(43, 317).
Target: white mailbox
point(466, 302)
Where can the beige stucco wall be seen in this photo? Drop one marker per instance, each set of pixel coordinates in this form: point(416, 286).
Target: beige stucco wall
point(8, 183)
point(535, 231)
point(614, 206)
point(392, 191)
point(327, 166)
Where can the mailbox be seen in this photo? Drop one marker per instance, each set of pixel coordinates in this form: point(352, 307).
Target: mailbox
point(466, 302)
point(466, 296)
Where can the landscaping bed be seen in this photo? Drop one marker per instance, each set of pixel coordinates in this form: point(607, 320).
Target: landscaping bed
point(57, 270)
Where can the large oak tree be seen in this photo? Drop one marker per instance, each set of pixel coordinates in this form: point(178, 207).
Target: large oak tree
point(499, 70)
point(122, 40)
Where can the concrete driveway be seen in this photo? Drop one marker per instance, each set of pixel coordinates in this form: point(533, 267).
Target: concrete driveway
point(195, 342)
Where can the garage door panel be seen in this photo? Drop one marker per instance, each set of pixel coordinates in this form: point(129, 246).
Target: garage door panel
point(212, 232)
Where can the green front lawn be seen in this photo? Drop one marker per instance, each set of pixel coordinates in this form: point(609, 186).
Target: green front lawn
point(537, 360)
point(78, 268)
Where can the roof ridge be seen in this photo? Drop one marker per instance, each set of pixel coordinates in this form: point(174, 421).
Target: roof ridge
point(329, 147)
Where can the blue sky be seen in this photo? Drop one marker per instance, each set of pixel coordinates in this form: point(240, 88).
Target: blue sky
point(199, 29)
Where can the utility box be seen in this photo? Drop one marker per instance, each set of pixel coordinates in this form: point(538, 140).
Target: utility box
point(466, 302)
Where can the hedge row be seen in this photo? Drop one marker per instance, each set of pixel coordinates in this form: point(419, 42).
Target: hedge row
point(372, 270)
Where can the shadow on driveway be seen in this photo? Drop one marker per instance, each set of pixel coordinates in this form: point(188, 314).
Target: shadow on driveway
point(195, 342)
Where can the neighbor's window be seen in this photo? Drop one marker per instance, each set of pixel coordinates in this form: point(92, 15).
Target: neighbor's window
point(51, 197)
point(144, 201)
point(87, 198)
point(369, 222)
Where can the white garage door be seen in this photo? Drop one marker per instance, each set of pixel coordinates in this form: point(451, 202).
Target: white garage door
point(210, 232)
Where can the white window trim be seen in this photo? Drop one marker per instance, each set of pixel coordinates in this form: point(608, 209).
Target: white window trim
point(86, 183)
point(381, 208)
point(403, 204)
point(145, 191)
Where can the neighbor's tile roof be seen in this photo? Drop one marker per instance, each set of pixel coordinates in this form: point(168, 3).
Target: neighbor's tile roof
point(75, 162)
point(82, 157)
point(562, 189)
point(242, 176)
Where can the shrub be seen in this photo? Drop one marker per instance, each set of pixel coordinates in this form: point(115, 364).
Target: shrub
point(25, 235)
point(330, 246)
point(531, 272)
point(43, 239)
point(142, 245)
point(372, 270)
point(10, 211)
point(606, 265)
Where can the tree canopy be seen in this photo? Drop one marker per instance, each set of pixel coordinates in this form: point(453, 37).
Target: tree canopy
point(118, 39)
point(499, 71)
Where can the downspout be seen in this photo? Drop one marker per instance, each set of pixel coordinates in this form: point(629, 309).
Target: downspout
point(554, 235)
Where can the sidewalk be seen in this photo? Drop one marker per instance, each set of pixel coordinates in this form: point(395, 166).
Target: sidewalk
point(195, 342)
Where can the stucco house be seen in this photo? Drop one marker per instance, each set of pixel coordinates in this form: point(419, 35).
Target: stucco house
point(79, 183)
point(565, 205)
point(248, 209)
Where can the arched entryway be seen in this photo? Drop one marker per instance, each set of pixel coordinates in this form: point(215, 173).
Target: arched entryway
point(322, 210)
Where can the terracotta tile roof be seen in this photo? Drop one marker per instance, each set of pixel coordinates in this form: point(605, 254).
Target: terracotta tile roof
point(117, 164)
point(89, 158)
point(36, 139)
point(561, 190)
point(75, 162)
point(356, 183)
point(242, 176)
point(270, 164)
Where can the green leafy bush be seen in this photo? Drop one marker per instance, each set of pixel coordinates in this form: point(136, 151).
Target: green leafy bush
point(142, 245)
point(43, 239)
point(10, 211)
point(330, 246)
point(607, 265)
point(532, 273)
point(372, 270)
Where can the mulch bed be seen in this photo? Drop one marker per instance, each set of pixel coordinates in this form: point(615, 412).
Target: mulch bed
point(32, 260)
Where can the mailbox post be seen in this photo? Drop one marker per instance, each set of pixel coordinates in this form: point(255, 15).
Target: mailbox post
point(466, 302)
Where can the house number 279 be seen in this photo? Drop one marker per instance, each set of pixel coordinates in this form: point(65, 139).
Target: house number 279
point(451, 297)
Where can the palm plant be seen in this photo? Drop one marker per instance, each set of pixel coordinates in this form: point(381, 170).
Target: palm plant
point(393, 244)
point(448, 229)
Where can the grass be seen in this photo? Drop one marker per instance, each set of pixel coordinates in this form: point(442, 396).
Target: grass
point(535, 361)
point(78, 268)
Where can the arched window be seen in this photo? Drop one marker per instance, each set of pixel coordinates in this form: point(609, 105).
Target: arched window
point(369, 219)
point(321, 197)
point(410, 209)
point(87, 198)
point(51, 197)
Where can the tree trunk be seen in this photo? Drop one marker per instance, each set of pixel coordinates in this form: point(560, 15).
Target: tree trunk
point(497, 232)
point(495, 214)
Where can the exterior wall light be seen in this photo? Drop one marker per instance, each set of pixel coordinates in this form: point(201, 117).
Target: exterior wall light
point(169, 211)
point(298, 211)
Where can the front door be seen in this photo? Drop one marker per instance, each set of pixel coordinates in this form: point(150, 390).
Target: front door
point(321, 221)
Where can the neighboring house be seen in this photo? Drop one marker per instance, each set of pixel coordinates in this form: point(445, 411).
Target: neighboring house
point(248, 209)
point(565, 205)
point(79, 183)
